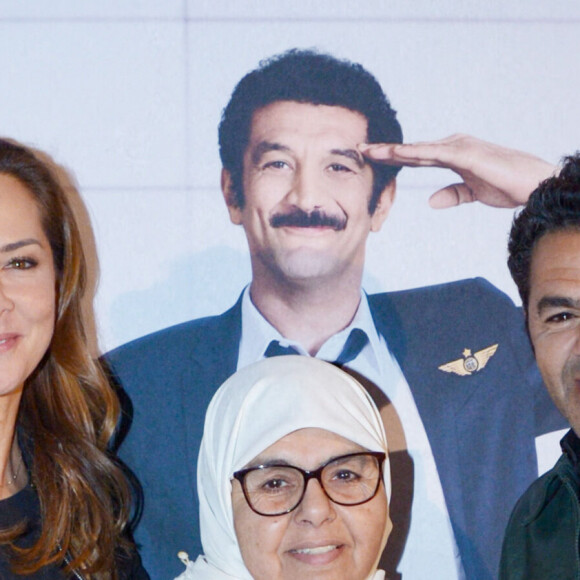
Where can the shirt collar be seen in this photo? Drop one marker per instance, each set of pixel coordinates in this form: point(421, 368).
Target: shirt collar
point(257, 333)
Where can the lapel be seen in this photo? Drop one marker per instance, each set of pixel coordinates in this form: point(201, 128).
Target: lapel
point(465, 417)
point(416, 343)
point(214, 350)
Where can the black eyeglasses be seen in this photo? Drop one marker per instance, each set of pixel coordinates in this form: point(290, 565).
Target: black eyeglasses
point(277, 489)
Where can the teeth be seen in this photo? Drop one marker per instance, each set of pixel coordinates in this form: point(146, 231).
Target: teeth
point(314, 551)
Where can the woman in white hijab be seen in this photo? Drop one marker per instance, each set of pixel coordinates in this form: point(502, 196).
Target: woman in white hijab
point(269, 429)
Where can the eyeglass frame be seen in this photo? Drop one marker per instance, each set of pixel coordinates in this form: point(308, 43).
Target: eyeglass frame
point(307, 475)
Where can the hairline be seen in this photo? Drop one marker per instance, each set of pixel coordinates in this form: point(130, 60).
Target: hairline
point(557, 229)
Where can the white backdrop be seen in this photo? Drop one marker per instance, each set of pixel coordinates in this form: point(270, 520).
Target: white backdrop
point(128, 96)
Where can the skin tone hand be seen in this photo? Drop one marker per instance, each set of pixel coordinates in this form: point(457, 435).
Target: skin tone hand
point(491, 174)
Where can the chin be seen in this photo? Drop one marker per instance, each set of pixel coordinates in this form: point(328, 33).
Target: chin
point(304, 267)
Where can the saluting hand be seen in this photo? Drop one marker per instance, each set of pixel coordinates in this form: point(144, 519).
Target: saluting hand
point(494, 175)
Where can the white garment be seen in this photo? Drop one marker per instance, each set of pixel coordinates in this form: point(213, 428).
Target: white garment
point(201, 569)
point(252, 410)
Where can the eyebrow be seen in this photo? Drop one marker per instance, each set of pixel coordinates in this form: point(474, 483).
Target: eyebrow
point(352, 154)
point(556, 302)
point(20, 244)
point(264, 147)
point(269, 462)
point(273, 461)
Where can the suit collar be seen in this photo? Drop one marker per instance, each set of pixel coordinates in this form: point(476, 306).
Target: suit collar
point(213, 362)
point(412, 340)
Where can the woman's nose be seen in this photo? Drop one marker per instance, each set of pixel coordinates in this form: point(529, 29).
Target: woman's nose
point(6, 302)
point(315, 507)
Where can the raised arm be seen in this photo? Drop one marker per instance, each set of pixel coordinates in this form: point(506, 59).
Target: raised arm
point(494, 175)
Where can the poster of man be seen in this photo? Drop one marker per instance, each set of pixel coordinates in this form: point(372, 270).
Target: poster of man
point(130, 99)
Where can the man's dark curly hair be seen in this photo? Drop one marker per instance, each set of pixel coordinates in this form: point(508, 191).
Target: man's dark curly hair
point(307, 76)
point(554, 206)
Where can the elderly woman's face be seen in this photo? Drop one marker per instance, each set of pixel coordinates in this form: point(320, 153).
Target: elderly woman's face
point(319, 539)
point(27, 286)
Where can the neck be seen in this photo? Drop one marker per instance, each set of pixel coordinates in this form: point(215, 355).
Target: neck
point(309, 313)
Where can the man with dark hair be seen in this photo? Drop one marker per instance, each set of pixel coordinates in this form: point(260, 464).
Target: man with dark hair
point(453, 360)
point(303, 76)
point(543, 538)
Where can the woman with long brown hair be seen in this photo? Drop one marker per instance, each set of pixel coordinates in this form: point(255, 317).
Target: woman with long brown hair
point(64, 500)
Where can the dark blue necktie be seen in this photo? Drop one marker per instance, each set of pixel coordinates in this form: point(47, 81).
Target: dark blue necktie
point(276, 349)
point(356, 341)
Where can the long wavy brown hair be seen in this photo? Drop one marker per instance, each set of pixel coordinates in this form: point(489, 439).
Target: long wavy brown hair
point(68, 410)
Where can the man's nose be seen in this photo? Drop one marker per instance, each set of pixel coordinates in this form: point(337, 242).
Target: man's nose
point(316, 507)
point(307, 189)
point(577, 340)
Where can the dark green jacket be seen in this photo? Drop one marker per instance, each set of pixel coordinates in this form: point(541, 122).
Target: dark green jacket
point(543, 534)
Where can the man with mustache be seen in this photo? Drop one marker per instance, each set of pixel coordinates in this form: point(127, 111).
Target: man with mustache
point(296, 217)
point(453, 359)
point(543, 537)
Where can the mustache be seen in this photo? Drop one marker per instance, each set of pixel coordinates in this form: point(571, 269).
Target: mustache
point(312, 219)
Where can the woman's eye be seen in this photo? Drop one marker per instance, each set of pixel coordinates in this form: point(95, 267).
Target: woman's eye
point(346, 475)
point(274, 484)
point(21, 263)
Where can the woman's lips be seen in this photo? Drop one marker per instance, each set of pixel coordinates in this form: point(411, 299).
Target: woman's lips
point(319, 550)
point(317, 555)
point(7, 341)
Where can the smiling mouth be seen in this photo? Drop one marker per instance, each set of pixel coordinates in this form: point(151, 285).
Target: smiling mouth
point(6, 339)
point(314, 551)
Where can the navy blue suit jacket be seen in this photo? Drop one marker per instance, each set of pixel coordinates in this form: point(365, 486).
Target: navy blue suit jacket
point(481, 427)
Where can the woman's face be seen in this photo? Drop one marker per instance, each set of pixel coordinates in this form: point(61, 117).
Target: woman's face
point(319, 539)
point(27, 286)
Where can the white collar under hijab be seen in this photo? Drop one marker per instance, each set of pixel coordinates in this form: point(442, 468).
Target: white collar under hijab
point(252, 410)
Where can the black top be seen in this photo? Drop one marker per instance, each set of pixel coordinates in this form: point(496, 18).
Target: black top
point(570, 445)
point(24, 505)
point(20, 506)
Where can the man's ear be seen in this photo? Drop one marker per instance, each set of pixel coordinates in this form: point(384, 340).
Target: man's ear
point(384, 205)
point(230, 197)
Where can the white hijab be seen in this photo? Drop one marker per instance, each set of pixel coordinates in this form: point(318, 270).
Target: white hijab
point(253, 409)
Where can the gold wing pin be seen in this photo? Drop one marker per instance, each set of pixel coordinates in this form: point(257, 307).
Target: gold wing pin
point(470, 363)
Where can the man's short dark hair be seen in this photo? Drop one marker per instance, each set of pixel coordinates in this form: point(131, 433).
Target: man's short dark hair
point(307, 76)
point(554, 206)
